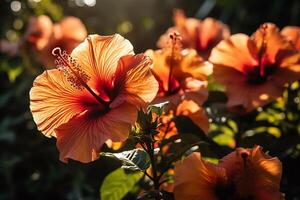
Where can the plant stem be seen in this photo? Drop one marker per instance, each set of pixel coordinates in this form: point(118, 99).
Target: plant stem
point(150, 149)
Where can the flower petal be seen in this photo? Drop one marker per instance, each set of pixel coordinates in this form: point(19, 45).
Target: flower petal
point(73, 29)
point(53, 101)
point(39, 31)
point(137, 84)
point(195, 113)
point(269, 35)
point(234, 52)
point(82, 136)
point(99, 55)
point(292, 33)
point(195, 179)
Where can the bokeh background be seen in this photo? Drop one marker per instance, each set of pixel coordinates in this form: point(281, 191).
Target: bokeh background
point(29, 165)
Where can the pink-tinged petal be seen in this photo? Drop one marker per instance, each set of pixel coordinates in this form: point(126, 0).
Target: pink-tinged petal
point(235, 52)
point(210, 33)
point(195, 179)
point(39, 31)
point(82, 136)
point(135, 80)
point(73, 29)
point(292, 33)
point(99, 55)
point(53, 101)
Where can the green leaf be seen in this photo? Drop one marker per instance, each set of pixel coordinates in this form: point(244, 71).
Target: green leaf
point(158, 108)
point(136, 159)
point(118, 183)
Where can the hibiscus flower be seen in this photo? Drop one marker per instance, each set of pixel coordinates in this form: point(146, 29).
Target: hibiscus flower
point(93, 96)
point(255, 69)
point(243, 174)
point(43, 36)
point(201, 35)
point(182, 75)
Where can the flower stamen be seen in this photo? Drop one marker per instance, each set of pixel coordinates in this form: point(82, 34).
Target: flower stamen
point(72, 70)
point(176, 44)
point(262, 50)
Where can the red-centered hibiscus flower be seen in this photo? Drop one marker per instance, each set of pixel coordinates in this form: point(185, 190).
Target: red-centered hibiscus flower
point(93, 96)
point(245, 174)
point(43, 35)
point(182, 75)
point(292, 33)
point(256, 175)
point(201, 35)
point(255, 69)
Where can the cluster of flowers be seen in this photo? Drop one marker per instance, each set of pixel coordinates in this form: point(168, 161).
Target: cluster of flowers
point(94, 94)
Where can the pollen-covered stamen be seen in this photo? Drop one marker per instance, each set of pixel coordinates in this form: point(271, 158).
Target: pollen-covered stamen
point(262, 50)
point(73, 72)
point(175, 45)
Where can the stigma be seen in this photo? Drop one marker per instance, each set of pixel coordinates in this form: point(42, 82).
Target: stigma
point(71, 69)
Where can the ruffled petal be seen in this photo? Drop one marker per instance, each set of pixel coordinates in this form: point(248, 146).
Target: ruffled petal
point(195, 179)
point(82, 136)
point(292, 33)
point(235, 52)
point(192, 65)
point(99, 55)
point(134, 78)
point(269, 169)
point(53, 101)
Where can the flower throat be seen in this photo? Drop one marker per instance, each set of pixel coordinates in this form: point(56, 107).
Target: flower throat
point(259, 73)
point(73, 72)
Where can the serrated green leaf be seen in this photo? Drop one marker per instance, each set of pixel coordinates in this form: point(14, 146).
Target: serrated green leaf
point(136, 159)
point(118, 183)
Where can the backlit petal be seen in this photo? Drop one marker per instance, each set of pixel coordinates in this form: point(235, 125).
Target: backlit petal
point(79, 138)
point(269, 34)
point(195, 179)
point(53, 101)
point(137, 84)
point(234, 52)
point(99, 55)
point(195, 113)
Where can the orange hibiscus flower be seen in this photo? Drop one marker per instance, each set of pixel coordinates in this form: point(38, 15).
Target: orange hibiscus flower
point(255, 69)
point(181, 74)
point(200, 35)
point(43, 35)
point(242, 174)
point(292, 33)
point(93, 96)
